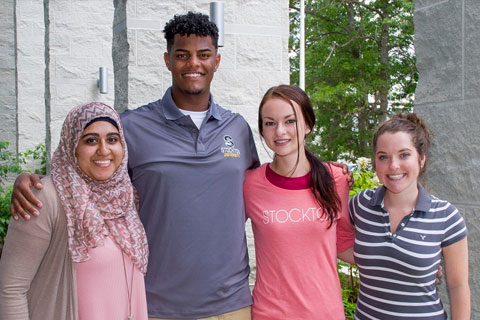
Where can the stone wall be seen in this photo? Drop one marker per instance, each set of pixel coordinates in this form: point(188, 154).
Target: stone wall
point(30, 50)
point(8, 103)
point(447, 44)
point(80, 41)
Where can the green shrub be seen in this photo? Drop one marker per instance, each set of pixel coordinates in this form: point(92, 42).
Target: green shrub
point(8, 162)
point(5, 196)
point(364, 178)
point(11, 164)
point(350, 284)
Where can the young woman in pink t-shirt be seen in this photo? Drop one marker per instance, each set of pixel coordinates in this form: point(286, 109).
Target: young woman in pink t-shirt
point(298, 208)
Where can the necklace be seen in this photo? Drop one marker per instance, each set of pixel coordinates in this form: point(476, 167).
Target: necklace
point(129, 291)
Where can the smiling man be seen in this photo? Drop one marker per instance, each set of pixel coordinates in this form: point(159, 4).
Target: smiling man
point(187, 159)
point(192, 60)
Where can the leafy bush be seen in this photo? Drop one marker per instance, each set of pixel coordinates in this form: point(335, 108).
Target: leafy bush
point(364, 178)
point(8, 162)
point(350, 282)
point(5, 196)
point(14, 164)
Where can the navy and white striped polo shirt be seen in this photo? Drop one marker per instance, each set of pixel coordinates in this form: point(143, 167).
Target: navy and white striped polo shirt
point(398, 271)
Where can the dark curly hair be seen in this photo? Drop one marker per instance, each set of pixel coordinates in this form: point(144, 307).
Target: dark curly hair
point(190, 23)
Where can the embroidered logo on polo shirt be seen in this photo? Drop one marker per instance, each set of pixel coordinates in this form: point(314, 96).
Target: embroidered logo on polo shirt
point(229, 149)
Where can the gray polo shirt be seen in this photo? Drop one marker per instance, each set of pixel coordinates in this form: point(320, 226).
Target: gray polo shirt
point(191, 204)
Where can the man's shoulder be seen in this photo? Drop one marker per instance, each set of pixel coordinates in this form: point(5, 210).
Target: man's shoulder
point(141, 111)
point(142, 114)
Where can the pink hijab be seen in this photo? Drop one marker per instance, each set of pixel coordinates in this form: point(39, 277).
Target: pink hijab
point(96, 209)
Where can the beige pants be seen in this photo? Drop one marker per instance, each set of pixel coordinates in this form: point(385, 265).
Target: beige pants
point(240, 314)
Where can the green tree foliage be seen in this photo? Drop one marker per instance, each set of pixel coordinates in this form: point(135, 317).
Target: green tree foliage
point(360, 67)
point(11, 164)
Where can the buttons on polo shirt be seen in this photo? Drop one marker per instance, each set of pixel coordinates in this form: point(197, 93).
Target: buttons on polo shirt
point(200, 146)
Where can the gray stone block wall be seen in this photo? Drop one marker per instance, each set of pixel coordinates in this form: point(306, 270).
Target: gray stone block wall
point(30, 50)
point(120, 54)
point(8, 103)
point(49, 60)
point(447, 44)
point(80, 40)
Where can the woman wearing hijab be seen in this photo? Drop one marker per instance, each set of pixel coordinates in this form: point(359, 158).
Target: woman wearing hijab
point(85, 255)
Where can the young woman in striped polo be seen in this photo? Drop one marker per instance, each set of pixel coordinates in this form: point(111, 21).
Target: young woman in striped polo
point(402, 232)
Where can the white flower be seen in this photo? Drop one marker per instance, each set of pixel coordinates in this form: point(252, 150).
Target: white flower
point(363, 163)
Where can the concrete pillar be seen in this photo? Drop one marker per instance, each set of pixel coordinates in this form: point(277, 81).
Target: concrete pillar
point(8, 114)
point(447, 45)
point(30, 51)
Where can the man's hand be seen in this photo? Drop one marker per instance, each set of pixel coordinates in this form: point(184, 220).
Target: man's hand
point(350, 179)
point(23, 200)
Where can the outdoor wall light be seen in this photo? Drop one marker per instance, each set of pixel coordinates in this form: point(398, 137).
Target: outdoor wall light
point(216, 16)
point(102, 81)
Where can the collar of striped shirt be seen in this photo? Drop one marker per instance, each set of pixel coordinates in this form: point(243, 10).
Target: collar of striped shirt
point(424, 199)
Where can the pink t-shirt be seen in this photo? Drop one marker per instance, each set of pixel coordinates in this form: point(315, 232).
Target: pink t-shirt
point(296, 253)
point(102, 286)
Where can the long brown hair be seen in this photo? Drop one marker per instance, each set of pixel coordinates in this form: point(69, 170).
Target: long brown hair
point(322, 183)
